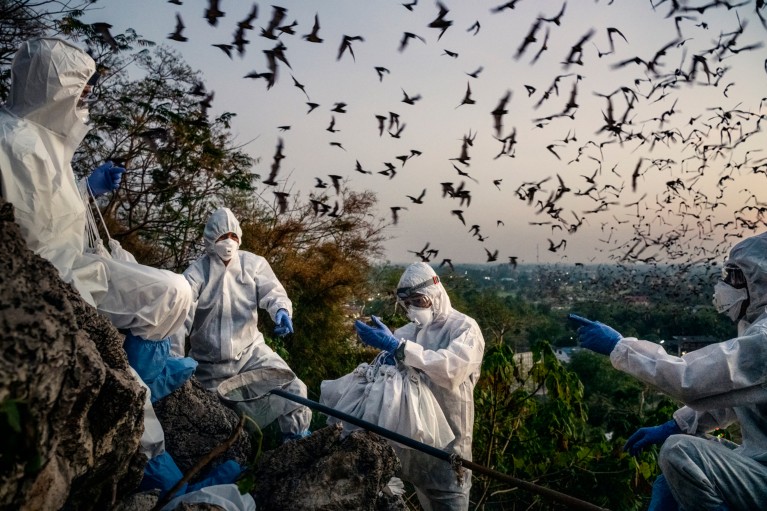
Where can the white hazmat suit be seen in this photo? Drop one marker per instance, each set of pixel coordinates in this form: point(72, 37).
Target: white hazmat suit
point(447, 349)
point(223, 324)
point(720, 384)
point(40, 128)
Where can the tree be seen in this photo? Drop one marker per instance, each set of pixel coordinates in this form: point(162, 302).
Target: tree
point(180, 164)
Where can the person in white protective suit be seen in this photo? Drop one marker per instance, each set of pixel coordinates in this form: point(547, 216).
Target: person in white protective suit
point(719, 384)
point(41, 125)
point(446, 347)
point(229, 285)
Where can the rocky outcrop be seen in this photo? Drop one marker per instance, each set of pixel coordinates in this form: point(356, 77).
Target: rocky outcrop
point(195, 422)
point(326, 473)
point(71, 415)
point(70, 412)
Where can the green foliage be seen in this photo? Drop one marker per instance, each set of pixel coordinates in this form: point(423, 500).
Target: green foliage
point(617, 402)
point(531, 423)
point(180, 164)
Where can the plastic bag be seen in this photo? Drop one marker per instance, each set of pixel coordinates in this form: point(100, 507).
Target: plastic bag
point(392, 397)
point(119, 253)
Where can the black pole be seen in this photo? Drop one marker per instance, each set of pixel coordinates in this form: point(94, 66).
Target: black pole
point(455, 460)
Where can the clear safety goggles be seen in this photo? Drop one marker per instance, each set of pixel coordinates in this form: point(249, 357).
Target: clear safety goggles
point(420, 301)
point(733, 276)
point(407, 296)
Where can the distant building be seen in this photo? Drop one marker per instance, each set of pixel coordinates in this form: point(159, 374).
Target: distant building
point(564, 355)
point(637, 299)
point(524, 361)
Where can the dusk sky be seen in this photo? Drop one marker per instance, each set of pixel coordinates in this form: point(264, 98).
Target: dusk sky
point(678, 176)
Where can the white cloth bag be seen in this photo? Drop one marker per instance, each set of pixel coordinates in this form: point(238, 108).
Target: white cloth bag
point(392, 397)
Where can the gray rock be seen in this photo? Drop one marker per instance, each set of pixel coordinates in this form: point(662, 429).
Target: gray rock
point(324, 473)
point(195, 422)
point(71, 414)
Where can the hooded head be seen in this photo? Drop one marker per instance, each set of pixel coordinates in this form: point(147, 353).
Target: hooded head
point(219, 223)
point(420, 278)
point(750, 255)
point(48, 76)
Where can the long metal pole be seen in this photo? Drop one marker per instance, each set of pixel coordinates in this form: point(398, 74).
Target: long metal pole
point(455, 460)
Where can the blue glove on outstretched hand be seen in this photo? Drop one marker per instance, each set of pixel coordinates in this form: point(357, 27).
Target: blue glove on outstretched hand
point(105, 178)
point(284, 324)
point(596, 336)
point(644, 437)
point(378, 336)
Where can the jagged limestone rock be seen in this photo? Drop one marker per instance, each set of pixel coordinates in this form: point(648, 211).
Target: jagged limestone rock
point(325, 472)
point(195, 422)
point(71, 414)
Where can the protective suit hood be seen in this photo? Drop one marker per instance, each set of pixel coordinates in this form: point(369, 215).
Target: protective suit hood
point(48, 75)
point(220, 222)
point(750, 255)
point(418, 273)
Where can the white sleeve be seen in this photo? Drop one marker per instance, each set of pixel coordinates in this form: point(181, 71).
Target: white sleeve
point(195, 277)
point(451, 366)
point(271, 295)
point(695, 422)
point(716, 373)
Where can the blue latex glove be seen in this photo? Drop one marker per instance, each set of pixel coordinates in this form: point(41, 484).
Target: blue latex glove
point(161, 373)
point(596, 336)
point(283, 322)
point(163, 473)
point(105, 178)
point(226, 473)
point(644, 437)
point(378, 336)
point(662, 499)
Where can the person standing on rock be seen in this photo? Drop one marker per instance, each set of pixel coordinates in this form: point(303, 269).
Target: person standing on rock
point(446, 347)
point(229, 285)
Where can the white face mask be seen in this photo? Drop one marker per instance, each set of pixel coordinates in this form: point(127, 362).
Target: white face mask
point(421, 317)
point(729, 299)
point(226, 248)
